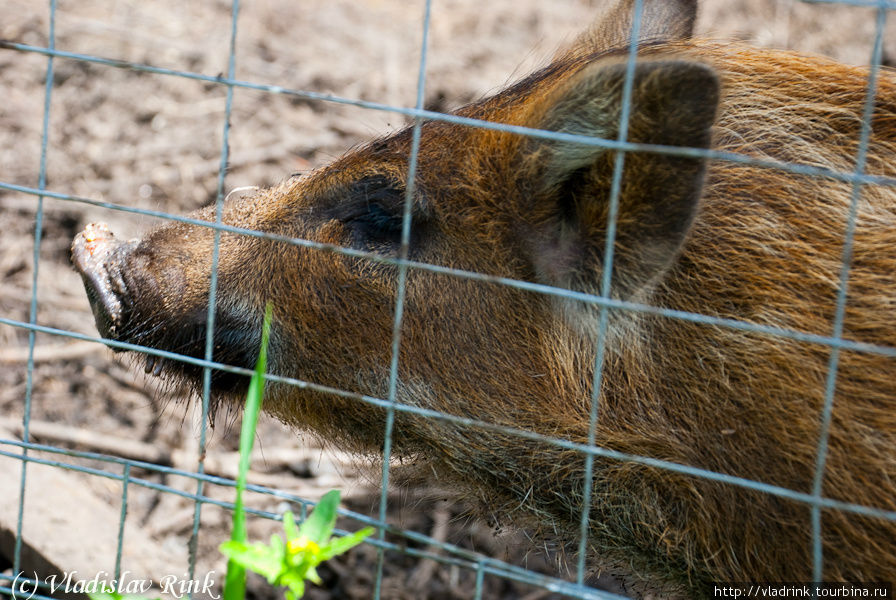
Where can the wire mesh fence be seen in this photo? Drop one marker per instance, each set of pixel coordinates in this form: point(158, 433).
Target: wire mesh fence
point(122, 470)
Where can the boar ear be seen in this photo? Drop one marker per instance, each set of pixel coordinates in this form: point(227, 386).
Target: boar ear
point(673, 104)
point(660, 20)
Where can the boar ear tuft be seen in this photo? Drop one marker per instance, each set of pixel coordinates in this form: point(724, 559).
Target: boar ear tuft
point(661, 20)
point(673, 104)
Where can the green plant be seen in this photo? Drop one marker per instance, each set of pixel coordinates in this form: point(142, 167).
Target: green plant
point(288, 562)
point(292, 561)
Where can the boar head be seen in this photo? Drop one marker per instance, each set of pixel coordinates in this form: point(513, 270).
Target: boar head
point(483, 201)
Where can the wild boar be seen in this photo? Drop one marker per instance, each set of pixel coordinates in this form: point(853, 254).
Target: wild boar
point(744, 243)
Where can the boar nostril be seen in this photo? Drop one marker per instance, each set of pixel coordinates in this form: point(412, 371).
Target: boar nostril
point(91, 251)
point(154, 365)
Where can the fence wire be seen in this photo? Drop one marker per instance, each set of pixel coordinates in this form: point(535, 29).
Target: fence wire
point(121, 470)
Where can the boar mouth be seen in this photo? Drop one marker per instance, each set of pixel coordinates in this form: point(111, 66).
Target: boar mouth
point(125, 307)
point(236, 343)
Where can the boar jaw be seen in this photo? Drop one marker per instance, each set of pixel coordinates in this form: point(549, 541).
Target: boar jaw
point(126, 305)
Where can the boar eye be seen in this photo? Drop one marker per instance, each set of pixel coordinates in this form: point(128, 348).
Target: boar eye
point(373, 212)
point(376, 222)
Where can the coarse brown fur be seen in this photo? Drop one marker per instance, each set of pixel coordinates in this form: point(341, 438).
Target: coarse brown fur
point(721, 238)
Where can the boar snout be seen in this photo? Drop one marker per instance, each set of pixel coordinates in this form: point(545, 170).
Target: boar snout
point(131, 286)
point(96, 255)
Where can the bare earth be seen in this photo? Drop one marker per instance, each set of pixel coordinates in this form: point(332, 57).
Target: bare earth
point(154, 142)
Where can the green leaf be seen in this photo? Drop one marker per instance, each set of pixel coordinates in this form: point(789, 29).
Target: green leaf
point(278, 546)
point(319, 525)
point(234, 582)
point(235, 578)
point(250, 421)
point(342, 544)
point(289, 526)
point(290, 579)
point(312, 576)
point(296, 589)
point(258, 557)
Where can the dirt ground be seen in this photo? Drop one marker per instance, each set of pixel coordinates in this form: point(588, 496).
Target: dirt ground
point(154, 142)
